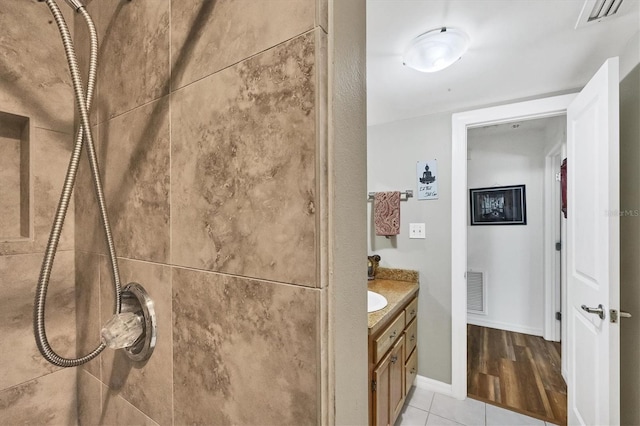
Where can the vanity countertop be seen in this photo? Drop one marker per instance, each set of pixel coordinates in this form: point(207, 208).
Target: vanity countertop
point(397, 293)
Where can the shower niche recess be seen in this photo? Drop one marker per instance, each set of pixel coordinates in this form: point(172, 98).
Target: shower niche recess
point(15, 177)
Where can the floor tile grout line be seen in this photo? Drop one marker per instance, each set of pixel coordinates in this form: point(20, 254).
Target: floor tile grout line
point(431, 403)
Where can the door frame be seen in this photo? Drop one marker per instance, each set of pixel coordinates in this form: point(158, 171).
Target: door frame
point(552, 234)
point(460, 123)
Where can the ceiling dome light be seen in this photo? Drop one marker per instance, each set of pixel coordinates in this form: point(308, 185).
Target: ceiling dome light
point(435, 50)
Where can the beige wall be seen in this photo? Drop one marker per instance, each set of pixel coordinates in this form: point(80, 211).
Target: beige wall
point(34, 83)
point(211, 126)
point(630, 247)
point(347, 211)
point(392, 152)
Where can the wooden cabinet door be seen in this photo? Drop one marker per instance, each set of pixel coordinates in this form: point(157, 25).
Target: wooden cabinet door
point(381, 393)
point(396, 379)
point(411, 371)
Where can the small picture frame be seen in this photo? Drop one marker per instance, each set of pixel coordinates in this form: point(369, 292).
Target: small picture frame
point(502, 205)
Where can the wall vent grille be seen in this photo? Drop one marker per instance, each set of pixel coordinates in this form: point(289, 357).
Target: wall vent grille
point(476, 293)
point(595, 11)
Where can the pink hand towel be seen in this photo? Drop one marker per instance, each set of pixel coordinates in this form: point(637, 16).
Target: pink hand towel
point(386, 213)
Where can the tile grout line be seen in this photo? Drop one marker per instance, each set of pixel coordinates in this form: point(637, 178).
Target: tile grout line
point(196, 269)
point(251, 56)
point(34, 378)
point(171, 273)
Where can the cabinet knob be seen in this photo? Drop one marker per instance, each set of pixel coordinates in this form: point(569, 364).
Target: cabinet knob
point(413, 312)
point(393, 334)
point(413, 370)
point(394, 359)
point(412, 338)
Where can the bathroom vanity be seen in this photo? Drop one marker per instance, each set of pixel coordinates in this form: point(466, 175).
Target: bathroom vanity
point(393, 357)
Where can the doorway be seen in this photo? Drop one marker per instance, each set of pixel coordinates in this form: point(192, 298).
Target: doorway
point(513, 268)
point(461, 123)
point(592, 346)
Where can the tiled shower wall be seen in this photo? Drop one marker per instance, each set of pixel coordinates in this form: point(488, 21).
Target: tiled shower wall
point(35, 83)
point(210, 124)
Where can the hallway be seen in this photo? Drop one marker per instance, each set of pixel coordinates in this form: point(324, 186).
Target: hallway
point(516, 371)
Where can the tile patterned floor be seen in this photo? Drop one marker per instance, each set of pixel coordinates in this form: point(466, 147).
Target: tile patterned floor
point(424, 407)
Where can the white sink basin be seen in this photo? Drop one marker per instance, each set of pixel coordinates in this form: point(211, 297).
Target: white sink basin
point(375, 301)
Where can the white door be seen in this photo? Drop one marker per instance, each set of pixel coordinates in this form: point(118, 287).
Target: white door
point(593, 251)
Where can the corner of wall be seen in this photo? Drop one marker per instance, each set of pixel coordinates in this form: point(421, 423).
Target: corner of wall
point(630, 56)
point(347, 211)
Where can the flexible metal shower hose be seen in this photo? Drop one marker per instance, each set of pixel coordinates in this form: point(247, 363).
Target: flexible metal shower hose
point(83, 137)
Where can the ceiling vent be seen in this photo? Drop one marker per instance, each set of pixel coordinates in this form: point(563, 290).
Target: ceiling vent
point(595, 11)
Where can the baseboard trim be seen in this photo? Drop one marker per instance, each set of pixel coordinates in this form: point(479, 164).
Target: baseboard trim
point(505, 326)
point(432, 385)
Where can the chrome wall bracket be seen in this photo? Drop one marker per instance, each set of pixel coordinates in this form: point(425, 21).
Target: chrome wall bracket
point(135, 299)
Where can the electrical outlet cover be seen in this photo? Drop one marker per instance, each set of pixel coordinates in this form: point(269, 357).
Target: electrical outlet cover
point(417, 230)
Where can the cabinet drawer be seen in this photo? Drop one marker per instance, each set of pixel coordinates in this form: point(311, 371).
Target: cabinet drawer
point(410, 371)
point(388, 337)
point(411, 336)
point(411, 310)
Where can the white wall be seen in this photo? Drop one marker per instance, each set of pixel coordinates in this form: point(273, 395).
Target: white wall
point(392, 152)
point(511, 256)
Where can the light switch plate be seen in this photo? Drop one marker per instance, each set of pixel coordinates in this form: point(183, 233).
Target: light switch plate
point(417, 230)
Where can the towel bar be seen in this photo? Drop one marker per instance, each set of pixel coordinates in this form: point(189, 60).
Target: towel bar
point(406, 194)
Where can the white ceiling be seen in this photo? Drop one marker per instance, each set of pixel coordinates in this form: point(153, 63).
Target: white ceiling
point(552, 125)
point(519, 49)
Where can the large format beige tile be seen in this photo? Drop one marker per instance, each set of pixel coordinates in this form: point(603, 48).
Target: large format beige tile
point(147, 386)
point(50, 156)
point(245, 352)
point(48, 400)
point(117, 411)
point(87, 272)
point(243, 168)
point(19, 355)
point(12, 197)
point(210, 35)
point(34, 76)
point(136, 169)
point(134, 54)
point(99, 405)
point(82, 42)
point(89, 398)
point(89, 235)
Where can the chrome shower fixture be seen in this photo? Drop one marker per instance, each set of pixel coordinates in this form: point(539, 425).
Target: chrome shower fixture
point(134, 329)
point(133, 325)
point(75, 4)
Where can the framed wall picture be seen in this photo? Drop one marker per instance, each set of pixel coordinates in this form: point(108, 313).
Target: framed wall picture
point(502, 205)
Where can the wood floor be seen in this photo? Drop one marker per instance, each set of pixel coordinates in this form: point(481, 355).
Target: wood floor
point(516, 371)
